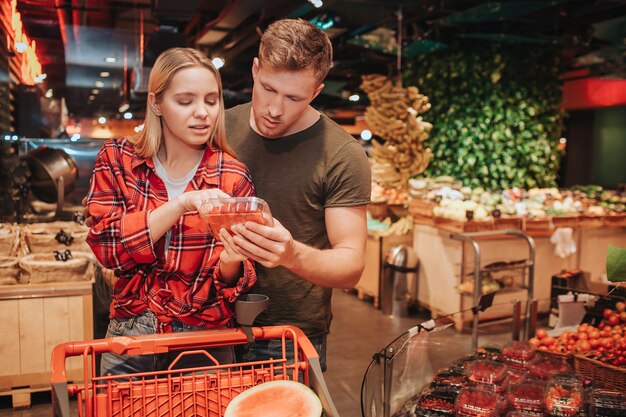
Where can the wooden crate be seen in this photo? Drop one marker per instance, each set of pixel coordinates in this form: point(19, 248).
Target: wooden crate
point(506, 223)
point(422, 207)
point(565, 221)
point(538, 224)
point(451, 225)
point(615, 220)
point(590, 221)
point(36, 318)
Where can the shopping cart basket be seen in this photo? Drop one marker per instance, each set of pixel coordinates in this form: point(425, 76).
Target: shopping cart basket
point(197, 392)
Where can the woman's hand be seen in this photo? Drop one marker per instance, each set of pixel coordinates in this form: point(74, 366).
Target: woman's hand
point(192, 200)
point(230, 259)
point(230, 254)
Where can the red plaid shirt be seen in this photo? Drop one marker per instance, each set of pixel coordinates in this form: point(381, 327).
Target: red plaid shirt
point(185, 285)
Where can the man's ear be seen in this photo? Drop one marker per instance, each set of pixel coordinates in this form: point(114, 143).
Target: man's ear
point(318, 90)
point(255, 67)
point(154, 104)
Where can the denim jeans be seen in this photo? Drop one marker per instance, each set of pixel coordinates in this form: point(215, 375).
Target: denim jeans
point(272, 349)
point(146, 323)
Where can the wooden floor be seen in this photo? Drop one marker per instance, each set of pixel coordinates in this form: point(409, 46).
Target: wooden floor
point(358, 331)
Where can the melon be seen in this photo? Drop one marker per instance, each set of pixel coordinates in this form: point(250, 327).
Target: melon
point(276, 399)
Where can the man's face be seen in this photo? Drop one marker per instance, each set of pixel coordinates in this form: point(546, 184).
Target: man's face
point(281, 98)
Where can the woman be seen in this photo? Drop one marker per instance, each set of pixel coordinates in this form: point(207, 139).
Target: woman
point(145, 193)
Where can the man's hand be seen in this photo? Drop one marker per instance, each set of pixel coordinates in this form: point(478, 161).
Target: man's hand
point(269, 246)
point(86, 214)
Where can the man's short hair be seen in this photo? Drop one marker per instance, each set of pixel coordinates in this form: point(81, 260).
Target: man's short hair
point(296, 45)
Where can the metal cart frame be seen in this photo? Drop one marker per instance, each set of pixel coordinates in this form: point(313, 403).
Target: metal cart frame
point(471, 238)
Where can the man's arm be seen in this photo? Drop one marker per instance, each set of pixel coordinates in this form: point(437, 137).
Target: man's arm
point(338, 267)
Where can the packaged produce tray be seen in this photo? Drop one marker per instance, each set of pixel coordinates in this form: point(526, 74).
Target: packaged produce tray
point(604, 375)
point(198, 392)
point(226, 212)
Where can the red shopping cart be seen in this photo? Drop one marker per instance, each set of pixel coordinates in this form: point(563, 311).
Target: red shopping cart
point(197, 392)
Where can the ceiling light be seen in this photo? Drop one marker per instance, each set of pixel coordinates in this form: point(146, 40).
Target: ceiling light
point(92, 98)
point(49, 93)
point(128, 115)
point(218, 62)
point(123, 107)
point(102, 120)
point(95, 91)
point(110, 59)
point(354, 97)
point(105, 74)
point(99, 84)
point(316, 3)
point(366, 134)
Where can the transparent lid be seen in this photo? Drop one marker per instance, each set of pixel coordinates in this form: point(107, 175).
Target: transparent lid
point(487, 371)
point(520, 413)
point(226, 212)
point(499, 387)
point(477, 402)
point(544, 366)
point(564, 395)
point(527, 395)
point(437, 402)
point(520, 350)
point(603, 402)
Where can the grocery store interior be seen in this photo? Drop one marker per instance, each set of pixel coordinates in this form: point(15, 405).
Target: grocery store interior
point(496, 233)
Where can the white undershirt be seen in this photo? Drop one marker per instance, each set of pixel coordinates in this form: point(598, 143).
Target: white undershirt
point(174, 187)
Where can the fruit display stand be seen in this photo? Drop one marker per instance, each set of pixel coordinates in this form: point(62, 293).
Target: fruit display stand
point(443, 261)
point(426, 371)
point(35, 318)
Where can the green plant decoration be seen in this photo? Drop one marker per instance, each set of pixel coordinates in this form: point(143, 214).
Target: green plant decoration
point(496, 113)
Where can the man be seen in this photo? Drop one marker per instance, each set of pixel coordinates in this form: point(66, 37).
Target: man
point(314, 176)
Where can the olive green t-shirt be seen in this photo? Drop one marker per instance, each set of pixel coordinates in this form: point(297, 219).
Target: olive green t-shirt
point(299, 175)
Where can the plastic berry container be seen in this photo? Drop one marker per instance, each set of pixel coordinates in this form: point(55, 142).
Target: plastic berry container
point(519, 353)
point(492, 353)
point(500, 388)
point(527, 396)
point(564, 395)
point(544, 366)
point(486, 371)
point(436, 403)
point(449, 381)
point(606, 403)
point(473, 402)
point(518, 413)
point(517, 375)
point(225, 212)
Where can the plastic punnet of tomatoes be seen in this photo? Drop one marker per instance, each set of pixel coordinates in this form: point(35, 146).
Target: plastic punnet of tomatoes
point(519, 353)
point(493, 353)
point(518, 375)
point(500, 387)
point(449, 381)
point(436, 403)
point(488, 372)
point(473, 402)
point(564, 395)
point(226, 212)
point(527, 396)
point(518, 413)
point(544, 366)
point(606, 403)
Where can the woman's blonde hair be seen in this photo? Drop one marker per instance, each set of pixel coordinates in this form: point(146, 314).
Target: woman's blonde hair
point(148, 141)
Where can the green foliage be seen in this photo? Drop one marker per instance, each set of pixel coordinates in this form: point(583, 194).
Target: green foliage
point(496, 113)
